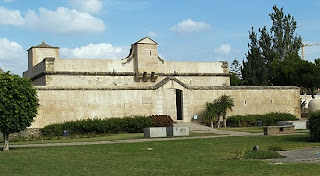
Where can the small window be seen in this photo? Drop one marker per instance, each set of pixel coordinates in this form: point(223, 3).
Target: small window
point(245, 101)
point(150, 53)
point(271, 101)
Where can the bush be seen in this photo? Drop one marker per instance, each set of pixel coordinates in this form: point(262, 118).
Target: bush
point(275, 147)
point(314, 126)
point(133, 124)
point(261, 154)
point(162, 121)
point(270, 119)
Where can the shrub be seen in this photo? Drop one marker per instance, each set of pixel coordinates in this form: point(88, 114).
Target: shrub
point(240, 153)
point(275, 147)
point(162, 121)
point(133, 124)
point(314, 126)
point(262, 154)
point(252, 120)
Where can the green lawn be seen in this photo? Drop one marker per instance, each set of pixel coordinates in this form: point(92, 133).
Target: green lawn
point(103, 137)
point(254, 129)
point(243, 129)
point(181, 157)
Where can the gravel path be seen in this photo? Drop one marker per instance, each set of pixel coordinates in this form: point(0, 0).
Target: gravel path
point(305, 155)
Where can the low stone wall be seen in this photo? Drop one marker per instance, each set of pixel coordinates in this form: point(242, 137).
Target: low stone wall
point(275, 130)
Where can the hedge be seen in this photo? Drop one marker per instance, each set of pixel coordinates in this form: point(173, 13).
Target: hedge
point(162, 121)
point(314, 126)
point(270, 119)
point(133, 124)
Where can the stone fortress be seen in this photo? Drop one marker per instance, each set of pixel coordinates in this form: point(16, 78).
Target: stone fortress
point(141, 84)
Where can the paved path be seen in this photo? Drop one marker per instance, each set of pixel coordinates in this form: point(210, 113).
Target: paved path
point(204, 129)
point(113, 142)
point(192, 127)
point(305, 155)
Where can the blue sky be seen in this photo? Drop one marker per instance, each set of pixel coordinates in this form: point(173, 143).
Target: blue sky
point(186, 30)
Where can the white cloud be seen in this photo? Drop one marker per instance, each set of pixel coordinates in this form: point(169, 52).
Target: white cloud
point(10, 17)
point(152, 34)
point(90, 6)
point(12, 56)
point(189, 25)
point(223, 49)
point(95, 51)
point(62, 21)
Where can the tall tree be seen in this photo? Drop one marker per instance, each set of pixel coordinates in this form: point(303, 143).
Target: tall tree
point(254, 71)
point(235, 71)
point(293, 71)
point(18, 105)
point(283, 29)
point(277, 44)
point(235, 68)
point(235, 80)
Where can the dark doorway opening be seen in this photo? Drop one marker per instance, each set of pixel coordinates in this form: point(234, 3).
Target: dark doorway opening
point(179, 104)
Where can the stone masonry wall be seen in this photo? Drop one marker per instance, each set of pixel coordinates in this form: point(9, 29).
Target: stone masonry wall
point(61, 104)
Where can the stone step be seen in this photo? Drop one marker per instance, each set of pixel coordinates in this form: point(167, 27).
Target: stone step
point(193, 126)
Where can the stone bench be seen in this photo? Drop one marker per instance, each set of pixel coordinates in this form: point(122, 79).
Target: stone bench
point(298, 124)
point(157, 132)
point(177, 131)
point(275, 130)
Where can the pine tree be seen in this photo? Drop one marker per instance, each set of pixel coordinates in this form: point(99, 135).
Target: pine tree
point(283, 34)
point(235, 68)
point(254, 71)
point(270, 48)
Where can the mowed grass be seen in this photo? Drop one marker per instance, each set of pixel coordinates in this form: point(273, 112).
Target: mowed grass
point(181, 157)
point(243, 129)
point(102, 137)
point(253, 129)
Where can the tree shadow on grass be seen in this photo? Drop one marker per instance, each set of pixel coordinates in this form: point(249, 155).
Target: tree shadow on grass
point(10, 148)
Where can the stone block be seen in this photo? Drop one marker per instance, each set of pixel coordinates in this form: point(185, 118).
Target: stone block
point(177, 131)
point(155, 132)
point(298, 125)
point(275, 130)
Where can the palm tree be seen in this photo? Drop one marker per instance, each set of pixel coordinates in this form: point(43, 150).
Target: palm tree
point(210, 113)
point(216, 109)
point(225, 103)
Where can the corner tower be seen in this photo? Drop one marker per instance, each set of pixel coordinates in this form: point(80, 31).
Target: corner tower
point(37, 53)
point(144, 54)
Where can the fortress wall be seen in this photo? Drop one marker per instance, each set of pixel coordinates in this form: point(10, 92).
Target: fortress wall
point(91, 65)
point(205, 80)
point(58, 105)
point(66, 105)
point(193, 67)
point(125, 81)
point(249, 101)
